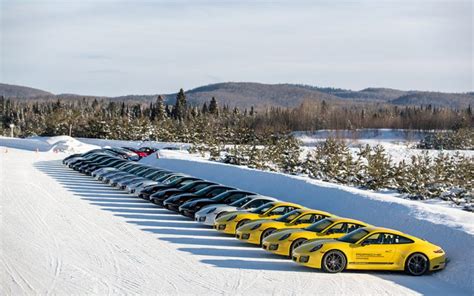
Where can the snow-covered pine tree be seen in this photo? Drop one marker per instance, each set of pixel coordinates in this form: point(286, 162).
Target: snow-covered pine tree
point(378, 169)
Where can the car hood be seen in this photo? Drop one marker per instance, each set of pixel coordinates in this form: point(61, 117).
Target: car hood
point(206, 208)
point(263, 222)
point(308, 246)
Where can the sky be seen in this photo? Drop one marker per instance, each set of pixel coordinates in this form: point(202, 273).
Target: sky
point(110, 48)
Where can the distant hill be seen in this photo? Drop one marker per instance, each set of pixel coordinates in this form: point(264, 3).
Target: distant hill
point(9, 90)
point(247, 94)
point(435, 99)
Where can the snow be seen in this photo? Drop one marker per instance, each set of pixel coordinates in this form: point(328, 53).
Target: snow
point(64, 233)
point(56, 144)
point(399, 144)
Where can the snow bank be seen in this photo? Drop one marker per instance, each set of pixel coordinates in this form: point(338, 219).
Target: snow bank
point(452, 229)
point(136, 144)
point(57, 144)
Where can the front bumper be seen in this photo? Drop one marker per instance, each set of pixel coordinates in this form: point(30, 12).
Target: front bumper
point(281, 248)
point(312, 260)
point(171, 206)
point(251, 237)
point(226, 227)
point(187, 213)
point(204, 219)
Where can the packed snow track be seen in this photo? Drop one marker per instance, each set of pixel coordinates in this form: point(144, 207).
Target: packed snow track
point(65, 233)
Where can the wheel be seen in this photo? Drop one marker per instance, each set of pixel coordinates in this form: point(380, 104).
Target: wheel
point(296, 244)
point(242, 222)
point(266, 233)
point(417, 264)
point(334, 261)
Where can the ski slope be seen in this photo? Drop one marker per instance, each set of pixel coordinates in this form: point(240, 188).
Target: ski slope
point(64, 233)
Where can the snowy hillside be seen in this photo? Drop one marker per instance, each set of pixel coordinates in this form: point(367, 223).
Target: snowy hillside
point(64, 233)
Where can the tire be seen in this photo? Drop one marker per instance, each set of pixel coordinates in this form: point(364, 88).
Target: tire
point(241, 222)
point(334, 261)
point(295, 245)
point(266, 233)
point(417, 264)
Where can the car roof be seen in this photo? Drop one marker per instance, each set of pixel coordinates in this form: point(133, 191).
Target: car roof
point(349, 220)
point(312, 211)
point(383, 229)
point(259, 196)
point(284, 203)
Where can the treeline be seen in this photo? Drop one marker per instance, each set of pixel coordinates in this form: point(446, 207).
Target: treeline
point(99, 118)
point(423, 176)
point(460, 139)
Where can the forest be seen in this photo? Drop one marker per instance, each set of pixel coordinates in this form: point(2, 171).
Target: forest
point(101, 118)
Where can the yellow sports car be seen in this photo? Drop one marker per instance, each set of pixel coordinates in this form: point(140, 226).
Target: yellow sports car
point(255, 231)
point(229, 222)
point(372, 248)
point(286, 240)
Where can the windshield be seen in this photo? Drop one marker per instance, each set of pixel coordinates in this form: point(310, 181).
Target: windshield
point(204, 190)
point(190, 185)
point(263, 208)
point(171, 179)
point(289, 216)
point(240, 202)
point(221, 196)
point(354, 236)
point(320, 225)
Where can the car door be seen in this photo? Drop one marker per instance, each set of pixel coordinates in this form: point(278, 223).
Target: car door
point(377, 251)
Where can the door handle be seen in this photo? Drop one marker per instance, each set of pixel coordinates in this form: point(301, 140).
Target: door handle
point(388, 251)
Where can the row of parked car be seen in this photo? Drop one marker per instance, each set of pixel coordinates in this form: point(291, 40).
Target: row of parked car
point(310, 237)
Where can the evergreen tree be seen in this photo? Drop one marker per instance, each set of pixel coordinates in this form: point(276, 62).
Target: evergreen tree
point(160, 110)
point(213, 108)
point(180, 107)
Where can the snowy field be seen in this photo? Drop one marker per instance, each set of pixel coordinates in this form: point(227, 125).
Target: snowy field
point(64, 233)
point(399, 144)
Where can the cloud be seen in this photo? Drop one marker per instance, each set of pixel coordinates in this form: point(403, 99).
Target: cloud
point(160, 46)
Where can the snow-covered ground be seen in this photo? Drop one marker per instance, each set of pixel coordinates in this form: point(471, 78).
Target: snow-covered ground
point(64, 233)
point(399, 144)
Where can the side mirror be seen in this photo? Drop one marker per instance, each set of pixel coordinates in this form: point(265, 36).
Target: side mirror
point(365, 243)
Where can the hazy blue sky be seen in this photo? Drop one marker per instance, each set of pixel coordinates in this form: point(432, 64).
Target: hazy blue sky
point(147, 47)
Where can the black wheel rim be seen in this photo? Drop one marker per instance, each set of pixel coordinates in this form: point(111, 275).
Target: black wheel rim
point(296, 245)
point(334, 262)
point(417, 264)
point(267, 233)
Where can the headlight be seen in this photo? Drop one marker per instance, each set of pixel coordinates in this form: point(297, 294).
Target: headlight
point(231, 218)
point(440, 251)
point(285, 236)
point(315, 248)
point(211, 210)
point(256, 226)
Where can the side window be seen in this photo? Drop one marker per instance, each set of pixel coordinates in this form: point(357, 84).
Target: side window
point(381, 239)
point(317, 217)
point(215, 192)
point(374, 239)
point(402, 240)
point(308, 218)
point(279, 211)
point(351, 227)
point(198, 187)
point(337, 228)
point(235, 197)
point(260, 202)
